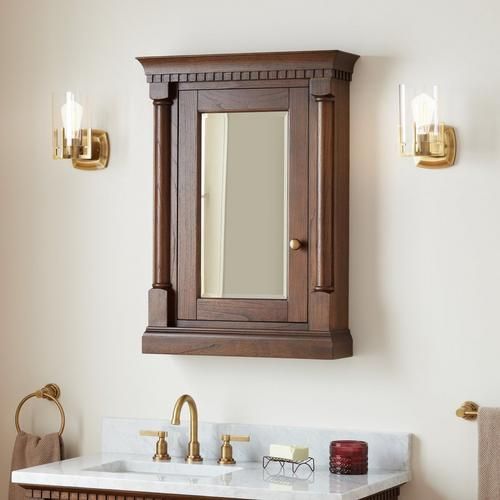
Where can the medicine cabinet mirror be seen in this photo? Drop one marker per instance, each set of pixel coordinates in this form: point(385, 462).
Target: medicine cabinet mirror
point(251, 208)
point(244, 247)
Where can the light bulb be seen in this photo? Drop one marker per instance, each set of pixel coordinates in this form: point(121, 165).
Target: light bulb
point(424, 109)
point(71, 114)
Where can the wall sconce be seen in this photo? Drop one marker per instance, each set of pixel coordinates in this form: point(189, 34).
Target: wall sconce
point(421, 134)
point(73, 135)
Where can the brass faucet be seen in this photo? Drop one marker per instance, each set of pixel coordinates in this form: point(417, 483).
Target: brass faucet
point(193, 455)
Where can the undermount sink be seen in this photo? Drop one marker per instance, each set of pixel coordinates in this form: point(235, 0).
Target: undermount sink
point(163, 468)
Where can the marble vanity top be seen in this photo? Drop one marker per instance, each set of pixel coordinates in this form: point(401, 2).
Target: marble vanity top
point(125, 463)
point(132, 472)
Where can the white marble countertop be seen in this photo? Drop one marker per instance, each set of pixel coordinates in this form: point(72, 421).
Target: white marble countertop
point(243, 480)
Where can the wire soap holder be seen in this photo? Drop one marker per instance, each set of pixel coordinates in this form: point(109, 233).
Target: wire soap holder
point(266, 460)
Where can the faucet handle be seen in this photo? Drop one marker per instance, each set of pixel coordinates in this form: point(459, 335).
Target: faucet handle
point(161, 454)
point(160, 434)
point(226, 450)
point(234, 437)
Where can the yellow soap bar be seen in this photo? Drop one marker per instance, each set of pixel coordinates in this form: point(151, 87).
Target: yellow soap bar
point(289, 452)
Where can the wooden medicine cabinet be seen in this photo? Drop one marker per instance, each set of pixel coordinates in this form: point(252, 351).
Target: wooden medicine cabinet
point(251, 205)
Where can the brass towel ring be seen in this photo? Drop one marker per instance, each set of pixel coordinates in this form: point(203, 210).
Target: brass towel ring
point(50, 392)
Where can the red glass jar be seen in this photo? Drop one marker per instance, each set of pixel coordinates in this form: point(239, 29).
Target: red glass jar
point(348, 457)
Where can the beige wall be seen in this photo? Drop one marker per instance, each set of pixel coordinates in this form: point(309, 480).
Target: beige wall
point(75, 247)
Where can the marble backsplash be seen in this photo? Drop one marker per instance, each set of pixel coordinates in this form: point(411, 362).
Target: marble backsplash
point(386, 450)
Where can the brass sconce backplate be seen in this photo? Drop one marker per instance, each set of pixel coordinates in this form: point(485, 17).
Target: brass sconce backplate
point(450, 151)
point(100, 153)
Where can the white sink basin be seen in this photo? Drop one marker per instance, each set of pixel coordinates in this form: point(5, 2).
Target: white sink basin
point(163, 468)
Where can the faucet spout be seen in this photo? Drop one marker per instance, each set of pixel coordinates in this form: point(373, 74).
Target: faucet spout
point(193, 454)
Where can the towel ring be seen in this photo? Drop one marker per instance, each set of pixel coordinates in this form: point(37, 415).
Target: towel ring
point(50, 392)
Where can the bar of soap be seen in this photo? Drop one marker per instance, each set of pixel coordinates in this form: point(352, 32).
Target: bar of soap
point(289, 452)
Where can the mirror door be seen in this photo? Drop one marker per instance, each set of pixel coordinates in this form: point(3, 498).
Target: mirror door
point(244, 205)
point(242, 247)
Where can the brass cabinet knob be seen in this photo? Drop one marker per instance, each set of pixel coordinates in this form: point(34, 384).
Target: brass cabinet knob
point(161, 454)
point(295, 244)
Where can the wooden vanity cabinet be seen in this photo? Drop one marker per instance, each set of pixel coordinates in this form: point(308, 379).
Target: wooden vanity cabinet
point(82, 494)
point(310, 320)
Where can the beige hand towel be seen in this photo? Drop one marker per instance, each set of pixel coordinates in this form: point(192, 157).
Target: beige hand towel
point(489, 453)
point(31, 450)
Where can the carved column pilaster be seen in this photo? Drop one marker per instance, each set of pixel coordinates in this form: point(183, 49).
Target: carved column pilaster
point(161, 296)
point(322, 89)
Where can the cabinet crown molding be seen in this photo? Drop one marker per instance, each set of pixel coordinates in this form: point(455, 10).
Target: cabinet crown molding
point(255, 66)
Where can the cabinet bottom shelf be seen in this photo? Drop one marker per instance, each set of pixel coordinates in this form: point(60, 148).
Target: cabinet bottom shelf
point(239, 342)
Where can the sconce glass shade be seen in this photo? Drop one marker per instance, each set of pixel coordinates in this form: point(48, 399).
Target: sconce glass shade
point(420, 132)
point(421, 135)
point(71, 125)
point(73, 135)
